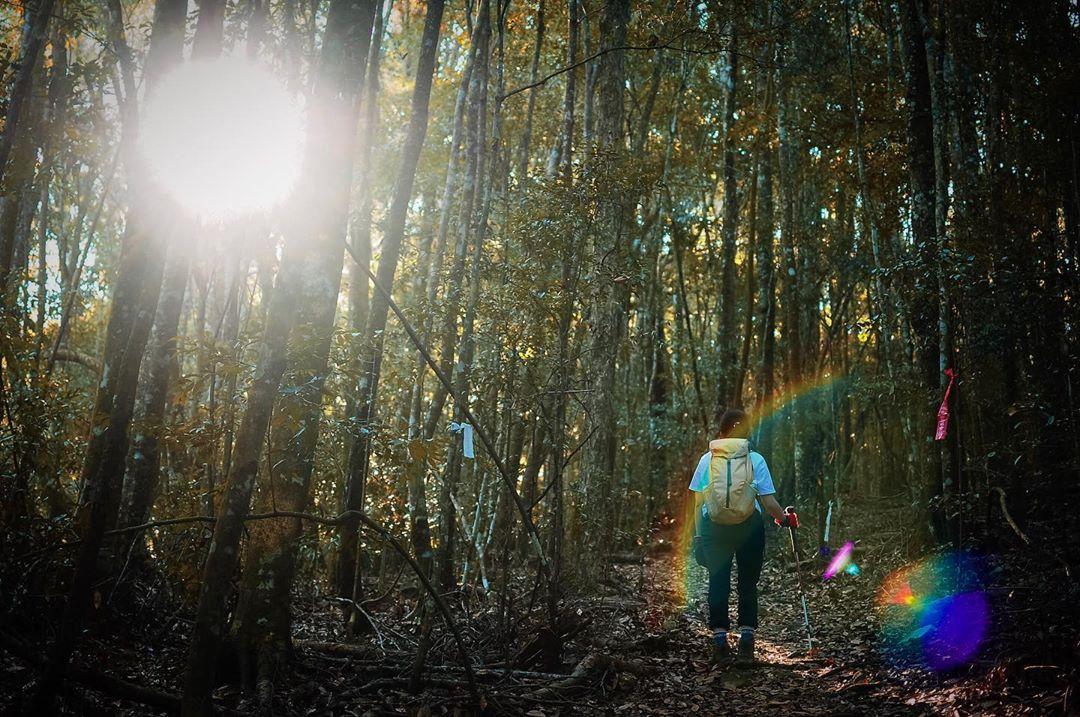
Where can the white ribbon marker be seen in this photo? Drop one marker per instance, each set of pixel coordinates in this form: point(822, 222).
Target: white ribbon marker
point(828, 522)
point(466, 431)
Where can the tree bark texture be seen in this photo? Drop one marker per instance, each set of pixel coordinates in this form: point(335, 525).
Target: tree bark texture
point(610, 295)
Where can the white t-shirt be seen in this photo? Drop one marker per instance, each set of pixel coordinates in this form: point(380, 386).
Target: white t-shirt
point(763, 484)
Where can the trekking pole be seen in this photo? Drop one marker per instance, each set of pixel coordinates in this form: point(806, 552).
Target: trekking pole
point(790, 510)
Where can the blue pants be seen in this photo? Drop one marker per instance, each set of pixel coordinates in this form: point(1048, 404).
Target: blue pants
point(745, 543)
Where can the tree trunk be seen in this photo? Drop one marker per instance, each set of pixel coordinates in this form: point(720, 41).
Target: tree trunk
point(766, 279)
point(726, 376)
point(134, 301)
point(438, 254)
point(18, 193)
point(448, 339)
point(392, 239)
point(33, 40)
point(610, 297)
point(562, 153)
point(360, 302)
point(939, 102)
point(141, 481)
point(925, 308)
point(462, 368)
point(534, 75)
point(792, 303)
point(920, 136)
point(263, 618)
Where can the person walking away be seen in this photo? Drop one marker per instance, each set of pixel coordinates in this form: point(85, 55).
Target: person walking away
point(731, 485)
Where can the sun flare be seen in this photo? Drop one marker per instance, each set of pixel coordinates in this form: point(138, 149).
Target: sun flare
point(223, 138)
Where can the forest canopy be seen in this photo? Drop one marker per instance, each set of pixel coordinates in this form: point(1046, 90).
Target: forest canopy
point(425, 313)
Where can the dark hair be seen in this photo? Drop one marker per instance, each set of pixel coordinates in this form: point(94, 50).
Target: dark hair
point(734, 424)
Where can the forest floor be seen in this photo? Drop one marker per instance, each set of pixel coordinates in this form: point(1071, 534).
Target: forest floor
point(849, 671)
point(641, 647)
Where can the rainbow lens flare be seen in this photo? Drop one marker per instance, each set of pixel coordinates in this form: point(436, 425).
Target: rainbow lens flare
point(841, 562)
point(933, 614)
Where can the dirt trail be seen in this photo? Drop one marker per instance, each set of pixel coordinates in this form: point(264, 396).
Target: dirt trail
point(845, 676)
point(680, 678)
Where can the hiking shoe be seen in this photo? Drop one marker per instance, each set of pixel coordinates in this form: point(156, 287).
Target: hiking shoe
point(721, 650)
point(746, 649)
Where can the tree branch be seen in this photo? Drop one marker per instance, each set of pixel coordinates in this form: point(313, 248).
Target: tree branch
point(342, 519)
point(73, 356)
point(666, 45)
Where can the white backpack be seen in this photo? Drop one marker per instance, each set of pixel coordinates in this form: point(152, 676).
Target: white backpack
point(730, 494)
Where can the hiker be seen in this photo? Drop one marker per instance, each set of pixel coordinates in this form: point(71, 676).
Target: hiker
point(731, 485)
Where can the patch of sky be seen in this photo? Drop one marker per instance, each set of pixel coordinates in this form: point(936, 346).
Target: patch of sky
point(704, 16)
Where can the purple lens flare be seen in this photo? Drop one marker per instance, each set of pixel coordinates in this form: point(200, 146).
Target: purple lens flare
point(840, 561)
point(934, 614)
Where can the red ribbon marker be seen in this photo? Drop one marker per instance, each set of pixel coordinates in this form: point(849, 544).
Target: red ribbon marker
point(943, 412)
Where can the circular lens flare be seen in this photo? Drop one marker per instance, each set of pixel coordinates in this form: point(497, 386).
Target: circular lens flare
point(933, 613)
point(955, 626)
point(223, 138)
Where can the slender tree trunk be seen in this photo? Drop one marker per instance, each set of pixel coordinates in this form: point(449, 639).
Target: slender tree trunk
point(920, 135)
point(434, 279)
point(393, 237)
point(448, 338)
point(33, 40)
point(134, 301)
point(766, 277)
point(925, 308)
point(610, 296)
point(263, 619)
point(141, 481)
point(534, 75)
point(563, 152)
point(539, 448)
point(462, 368)
point(659, 396)
point(299, 318)
point(966, 175)
point(939, 102)
point(18, 193)
point(564, 368)
point(43, 128)
point(763, 231)
point(726, 376)
point(791, 295)
point(360, 304)
point(588, 104)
